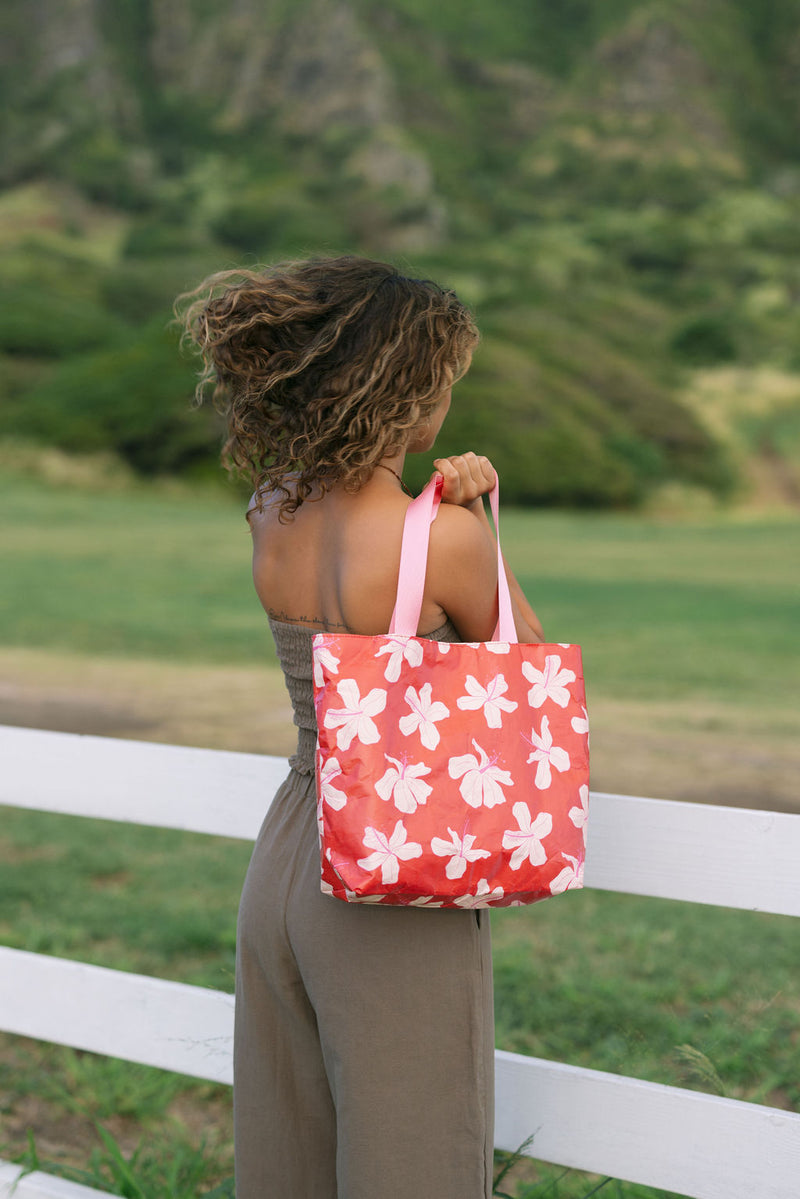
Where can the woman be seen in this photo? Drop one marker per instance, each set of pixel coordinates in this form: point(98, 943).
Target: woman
point(364, 1048)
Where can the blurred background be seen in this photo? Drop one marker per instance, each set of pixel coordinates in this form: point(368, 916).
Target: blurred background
point(614, 188)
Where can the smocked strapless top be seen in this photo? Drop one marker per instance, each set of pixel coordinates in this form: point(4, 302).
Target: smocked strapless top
point(293, 644)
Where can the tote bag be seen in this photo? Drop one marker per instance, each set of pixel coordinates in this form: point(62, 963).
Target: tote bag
point(448, 774)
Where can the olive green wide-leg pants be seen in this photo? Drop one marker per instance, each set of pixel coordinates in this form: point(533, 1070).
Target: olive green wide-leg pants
point(364, 1037)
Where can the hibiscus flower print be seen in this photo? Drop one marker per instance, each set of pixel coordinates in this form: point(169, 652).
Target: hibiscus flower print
point(460, 852)
point(331, 770)
point(569, 878)
point(483, 896)
point(398, 648)
point(481, 784)
point(547, 755)
point(389, 850)
point(497, 647)
point(323, 656)
point(580, 815)
point(490, 698)
point(355, 718)
point(403, 783)
point(423, 715)
point(526, 841)
point(580, 724)
point(550, 683)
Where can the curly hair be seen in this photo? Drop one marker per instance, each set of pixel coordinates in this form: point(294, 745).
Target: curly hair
point(322, 367)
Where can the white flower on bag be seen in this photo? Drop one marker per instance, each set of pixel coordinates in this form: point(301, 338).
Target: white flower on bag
point(388, 851)
point(569, 878)
point(547, 755)
point(460, 852)
point(355, 718)
point(331, 770)
point(498, 647)
point(324, 657)
point(444, 647)
point(549, 683)
point(580, 815)
point(425, 901)
point(482, 896)
point(580, 724)
point(490, 698)
point(423, 715)
point(526, 841)
point(399, 647)
point(404, 784)
point(482, 779)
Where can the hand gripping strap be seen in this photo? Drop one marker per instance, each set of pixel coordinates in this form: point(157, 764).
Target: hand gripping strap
point(420, 515)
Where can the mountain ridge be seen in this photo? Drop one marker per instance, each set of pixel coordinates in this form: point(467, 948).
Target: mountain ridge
point(590, 160)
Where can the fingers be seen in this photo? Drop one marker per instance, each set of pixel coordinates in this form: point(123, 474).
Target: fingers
point(448, 469)
point(467, 477)
point(487, 473)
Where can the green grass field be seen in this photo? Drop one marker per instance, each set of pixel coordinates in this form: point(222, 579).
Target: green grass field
point(679, 614)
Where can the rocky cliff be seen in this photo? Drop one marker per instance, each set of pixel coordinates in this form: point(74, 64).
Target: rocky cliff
point(404, 113)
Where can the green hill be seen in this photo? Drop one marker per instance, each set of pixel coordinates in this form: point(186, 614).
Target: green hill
point(613, 185)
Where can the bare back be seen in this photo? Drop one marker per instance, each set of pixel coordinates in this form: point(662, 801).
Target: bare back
point(334, 565)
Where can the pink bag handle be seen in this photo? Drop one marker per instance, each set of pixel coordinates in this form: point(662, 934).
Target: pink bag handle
point(420, 515)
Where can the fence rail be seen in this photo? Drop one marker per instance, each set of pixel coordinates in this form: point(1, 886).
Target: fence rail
point(683, 1141)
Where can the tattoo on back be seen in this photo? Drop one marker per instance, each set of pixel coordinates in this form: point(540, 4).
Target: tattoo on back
point(326, 626)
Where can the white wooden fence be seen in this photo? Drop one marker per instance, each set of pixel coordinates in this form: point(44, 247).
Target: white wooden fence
point(694, 1144)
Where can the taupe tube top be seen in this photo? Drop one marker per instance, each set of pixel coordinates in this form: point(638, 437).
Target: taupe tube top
point(293, 644)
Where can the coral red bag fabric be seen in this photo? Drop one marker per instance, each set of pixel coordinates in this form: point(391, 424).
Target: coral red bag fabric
point(448, 775)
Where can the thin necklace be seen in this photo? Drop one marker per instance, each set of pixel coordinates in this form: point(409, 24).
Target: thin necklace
point(399, 480)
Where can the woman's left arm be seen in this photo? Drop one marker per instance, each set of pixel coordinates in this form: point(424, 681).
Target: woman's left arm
point(467, 479)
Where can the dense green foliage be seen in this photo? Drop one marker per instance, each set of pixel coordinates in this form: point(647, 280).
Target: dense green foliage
point(613, 186)
point(123, 396)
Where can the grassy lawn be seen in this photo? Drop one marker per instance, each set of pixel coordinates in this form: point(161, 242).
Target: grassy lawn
point(689, 631)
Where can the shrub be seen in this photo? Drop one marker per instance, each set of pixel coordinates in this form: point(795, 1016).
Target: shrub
point(133, 399)
point(40, 323)
point(705, 340)
point(276, 218)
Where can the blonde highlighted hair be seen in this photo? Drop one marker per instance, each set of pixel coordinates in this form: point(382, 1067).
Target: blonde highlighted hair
point(322, 367)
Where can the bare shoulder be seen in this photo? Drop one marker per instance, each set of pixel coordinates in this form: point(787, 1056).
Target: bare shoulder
point(456, 532)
